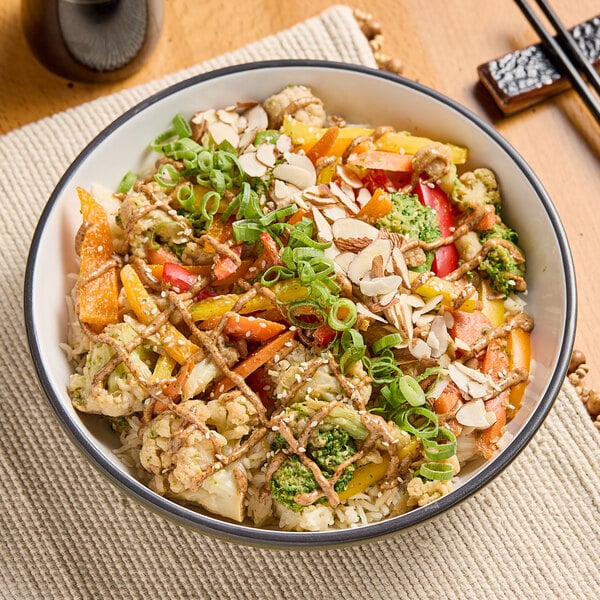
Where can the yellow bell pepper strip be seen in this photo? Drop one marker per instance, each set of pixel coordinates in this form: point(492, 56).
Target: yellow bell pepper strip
point(449, 290)
point(305, 136)
point(176, 345)
point(377, 207)
point(163, 368)
point(217, 306)
point(256, 360)
point(402, 141)
point(492, 308)
point(98, 298)
point(364, 477)
point(519, 356)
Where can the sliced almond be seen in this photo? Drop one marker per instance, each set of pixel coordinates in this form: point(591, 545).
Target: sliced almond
point(344, 198)
point(265, 154)
point(257, 118)
point(363, 261)
point(295, 175)
point(228, 116)
point(399, 265)
point(365, 312)
point(473, 414)
point(251, 165)
point(380, 285)
point(419, 349)
point(334, 213)
point(284, 143)
point(349, 177)
point(220, 132)
point(438, 338)
point(344, 259)
point(354, 228)
point(324, 231)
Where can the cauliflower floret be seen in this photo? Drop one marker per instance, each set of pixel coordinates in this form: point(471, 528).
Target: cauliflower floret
point(322, 385)
point(123, 395)
point(422, 492)
point(233, 415)
point(176, 464)
point(435, 160)
point(150, 224)
point(297, 101)
point(475, 189)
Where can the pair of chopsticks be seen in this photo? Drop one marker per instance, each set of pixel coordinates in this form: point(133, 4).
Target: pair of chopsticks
point(566, 54)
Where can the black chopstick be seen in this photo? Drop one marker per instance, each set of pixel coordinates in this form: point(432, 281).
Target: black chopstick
point(562, 60)
point(570, 46)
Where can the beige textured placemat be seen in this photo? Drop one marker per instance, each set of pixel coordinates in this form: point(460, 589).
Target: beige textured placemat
point(66, 533)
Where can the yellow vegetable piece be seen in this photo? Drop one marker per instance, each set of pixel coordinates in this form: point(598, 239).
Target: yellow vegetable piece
point(518, 349)
point(449, 290)
point(163, 368)
point(219, 305)
point(176, 345)
point(364, 477)
point(493, 309)
point(402, 141)
point(98, 298)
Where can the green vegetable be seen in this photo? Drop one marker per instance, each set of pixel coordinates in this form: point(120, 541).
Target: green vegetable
point(290, 479)
point(499, 231)
point(476, 188)
point(329, 448)
point(412, 219)
point(501, 268)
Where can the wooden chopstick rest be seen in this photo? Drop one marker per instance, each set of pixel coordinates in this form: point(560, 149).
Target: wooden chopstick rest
point(525, 77)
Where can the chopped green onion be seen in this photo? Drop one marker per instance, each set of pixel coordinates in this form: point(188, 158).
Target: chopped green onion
point(186, 197)
point(436, 471)
point(247, 231)
point(167, 176)
point(424, 427)
point(341, 323)
point(382, 369)
point(181, 126)
point(385, 342)
point(411, 390)
point(435, 450)
point(274, 274)
point(268, 135)
point(306, 314)
point(127, 182)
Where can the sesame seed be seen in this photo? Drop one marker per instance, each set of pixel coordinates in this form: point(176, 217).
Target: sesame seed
point(301, 449)
point(275, 428)
point(248, 334)
point(100, 248)
point(262, 325)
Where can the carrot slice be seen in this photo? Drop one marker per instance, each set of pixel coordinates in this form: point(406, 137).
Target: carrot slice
point(99, 296)
point(255, 360)
point(324, 144)
point(386, 161)
point(469, 326)
point(519, 355)
point(377, 207)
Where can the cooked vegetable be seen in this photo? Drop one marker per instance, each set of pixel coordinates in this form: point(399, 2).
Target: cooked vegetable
point(311, 328)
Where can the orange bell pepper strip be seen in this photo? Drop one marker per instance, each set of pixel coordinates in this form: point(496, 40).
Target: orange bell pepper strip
point(176, 345)
point(256, 360)
point(519, 356)
point(324, 145)
point(252, 329)
point(386, 161)
point(99, 296)
point(377, 207)
point(494, 363)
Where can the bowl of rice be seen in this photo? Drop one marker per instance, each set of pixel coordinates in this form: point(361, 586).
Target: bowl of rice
point(300, 304)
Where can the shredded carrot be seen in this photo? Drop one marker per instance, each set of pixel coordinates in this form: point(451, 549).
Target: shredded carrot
point(377, 207)
point(386, 161)
point(324, 145)
point(255, 360)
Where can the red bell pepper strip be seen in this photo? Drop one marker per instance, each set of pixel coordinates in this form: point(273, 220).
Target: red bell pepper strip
point(324, 335)
point(225, 266)
point(271, 248)
point(178, 277)
point(446, 257)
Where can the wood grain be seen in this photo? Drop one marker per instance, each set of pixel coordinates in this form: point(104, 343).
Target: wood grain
point(439, 43)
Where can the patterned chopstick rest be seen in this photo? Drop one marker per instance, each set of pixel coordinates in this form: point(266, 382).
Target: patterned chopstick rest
point(525, 77)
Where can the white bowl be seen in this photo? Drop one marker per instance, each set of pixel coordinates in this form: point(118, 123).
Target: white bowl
point(361, 95)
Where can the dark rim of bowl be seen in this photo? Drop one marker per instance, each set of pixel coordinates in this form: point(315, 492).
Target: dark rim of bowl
point(305, 540)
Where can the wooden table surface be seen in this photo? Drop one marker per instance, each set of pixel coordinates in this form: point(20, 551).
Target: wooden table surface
point(439, 44)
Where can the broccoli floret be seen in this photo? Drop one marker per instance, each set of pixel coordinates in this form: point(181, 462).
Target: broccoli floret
point(499, 231)
point(328, 448)
point(290, 479)
point(502, 269)
point(415, 220)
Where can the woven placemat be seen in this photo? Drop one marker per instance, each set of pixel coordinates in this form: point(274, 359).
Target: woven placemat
point(532, 533)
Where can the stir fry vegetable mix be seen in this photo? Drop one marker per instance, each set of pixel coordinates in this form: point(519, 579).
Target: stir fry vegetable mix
point(290, 312)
